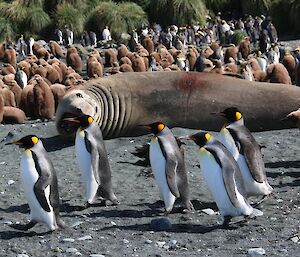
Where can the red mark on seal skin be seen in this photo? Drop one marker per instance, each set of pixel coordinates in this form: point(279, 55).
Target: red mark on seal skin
point(191, 81)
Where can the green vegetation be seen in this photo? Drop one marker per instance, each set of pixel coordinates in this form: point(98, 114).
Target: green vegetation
point(40, 17)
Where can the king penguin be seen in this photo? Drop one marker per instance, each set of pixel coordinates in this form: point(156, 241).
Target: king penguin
point(40, 184)
point(167, 163)
point(222, 175)
point(21, 78)
point(93, 160)
point(246, 151)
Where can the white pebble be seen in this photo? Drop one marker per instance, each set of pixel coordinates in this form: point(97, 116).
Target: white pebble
point(125, 241)
point(113, 223)
point(96, 255)
point(22, 255)
point(173, 242)
point(1, 163)
point(148, 241)
point(68, 240)
point(8, 222)
point(84, 238)
point(76, 224)
point(208, 211)
point(256, 251)
point(160, 243)
point(71, 250)
point(295, 239)
point(10, 182)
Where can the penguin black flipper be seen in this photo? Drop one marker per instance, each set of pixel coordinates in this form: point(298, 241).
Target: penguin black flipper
point(171, 169)
point(40, 185)
point(231, 174)
point(252, 153)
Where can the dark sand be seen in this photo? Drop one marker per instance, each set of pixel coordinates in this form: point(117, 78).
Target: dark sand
point(125, 230)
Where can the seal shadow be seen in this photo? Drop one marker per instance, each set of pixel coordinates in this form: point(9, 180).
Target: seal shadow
point(55, 143)
point(24, 208)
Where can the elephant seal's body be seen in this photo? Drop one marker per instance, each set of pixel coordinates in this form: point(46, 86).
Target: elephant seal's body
point(120, 103)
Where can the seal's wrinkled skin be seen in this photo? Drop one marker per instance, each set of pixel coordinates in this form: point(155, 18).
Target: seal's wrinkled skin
point(120, 103)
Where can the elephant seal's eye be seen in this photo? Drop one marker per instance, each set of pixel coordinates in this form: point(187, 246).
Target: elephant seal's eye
point(79, 95)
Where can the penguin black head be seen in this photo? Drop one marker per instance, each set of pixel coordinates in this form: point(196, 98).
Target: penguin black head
point(200, 138)
point(232, 114)
point(83, 121)
point(156, 127)
point(26, 142)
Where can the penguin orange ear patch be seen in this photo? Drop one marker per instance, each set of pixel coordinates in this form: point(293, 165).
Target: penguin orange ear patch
point(207, 136)
point(160, 127)
point(238, 115)
point(90, 120)
point(34, 140)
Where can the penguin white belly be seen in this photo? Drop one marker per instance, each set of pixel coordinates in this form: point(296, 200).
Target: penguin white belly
point(226, 139)
point(253, 188)
point(29, 177)
point(213, 176)
point(158, 165)
point(85, 165)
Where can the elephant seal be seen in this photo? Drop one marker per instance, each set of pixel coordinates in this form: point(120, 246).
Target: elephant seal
point(121, 102)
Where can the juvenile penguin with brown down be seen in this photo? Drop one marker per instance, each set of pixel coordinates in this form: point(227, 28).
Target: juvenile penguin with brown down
point(44, 100)
point(73, 59)
point(55, 49)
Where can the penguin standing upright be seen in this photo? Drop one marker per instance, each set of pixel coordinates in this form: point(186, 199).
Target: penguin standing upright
point(243, 146)
point(93, 160)
point(222, 175)
point(21, 77)
point(39, 183)
point(167, 163)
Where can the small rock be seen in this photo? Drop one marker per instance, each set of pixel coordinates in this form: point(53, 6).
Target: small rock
point(71, 250)
point(10, 182)
point(1, 163)
point(208, 211)
point(273, 218)
point(173, 242)
point(8, 222)
point(256, 251)
point(22, 255)
point(148, 241)
point(160, 224)
point(76, 224)
point(70, 240)
point(160, 243)
point(96, 255)
point(113, 223)
point(84, 238)
point(295, 239)
point(125, 241)
point(78, 253)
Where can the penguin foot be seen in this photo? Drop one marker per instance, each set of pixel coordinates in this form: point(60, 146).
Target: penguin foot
point(260, 201)
point(166, 212)
point(24, 227)
point(226, 222)
point(86, 205)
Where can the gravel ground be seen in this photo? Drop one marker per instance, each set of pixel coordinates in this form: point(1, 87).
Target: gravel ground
point(135, 227)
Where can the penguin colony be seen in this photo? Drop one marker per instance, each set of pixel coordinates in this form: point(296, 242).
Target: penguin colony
point(32, 86)
point(230, 181)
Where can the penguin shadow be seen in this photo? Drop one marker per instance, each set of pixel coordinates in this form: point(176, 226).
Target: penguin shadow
point(55, 143)
point(24, 208)
point(283, 164)
point(66, 207)
point(12, 234)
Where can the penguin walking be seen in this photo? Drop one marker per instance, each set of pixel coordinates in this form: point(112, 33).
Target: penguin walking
point(167, 163)
point(246, 151)
point(93, 160)
point(40, 184)
point(222, 175)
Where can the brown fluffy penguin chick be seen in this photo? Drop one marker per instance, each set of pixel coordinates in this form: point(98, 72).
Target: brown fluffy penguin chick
point(289, 63)
point(110, 57)
point(125, 60)
point(122, 51)
point(7, 69)
point(10, 56)
point(126, 68)
point(73, 59)
point(13, 115)
point(277, 73)
point(42, 53)
point(58, 91)
point(244, 47)
point(8, 96)
point(27, 100)
point(25, 66)
point(44, 100)
point(55, 49)
point(138, 64)
point(95, 70)
point(15, 88)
